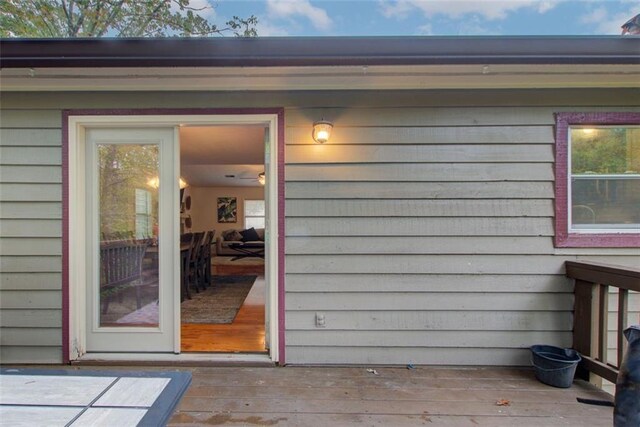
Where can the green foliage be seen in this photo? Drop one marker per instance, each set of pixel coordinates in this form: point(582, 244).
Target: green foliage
point(114, 18)
point(603, 151)
point(123, 168)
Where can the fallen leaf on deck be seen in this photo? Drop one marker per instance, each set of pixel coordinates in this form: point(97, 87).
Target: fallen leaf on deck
point(503, 402)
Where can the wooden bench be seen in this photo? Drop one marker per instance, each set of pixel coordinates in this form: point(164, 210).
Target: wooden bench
point(120, 269)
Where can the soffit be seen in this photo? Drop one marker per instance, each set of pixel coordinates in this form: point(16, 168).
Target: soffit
point(378, 77)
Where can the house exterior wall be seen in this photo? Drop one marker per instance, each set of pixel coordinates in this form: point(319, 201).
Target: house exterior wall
point(422, 231)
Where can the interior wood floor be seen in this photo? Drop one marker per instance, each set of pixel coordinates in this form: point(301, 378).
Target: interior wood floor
point(247, 332)
point(335, 396)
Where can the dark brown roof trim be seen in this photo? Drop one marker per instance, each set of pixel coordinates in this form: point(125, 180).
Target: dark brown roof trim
point(317, 51)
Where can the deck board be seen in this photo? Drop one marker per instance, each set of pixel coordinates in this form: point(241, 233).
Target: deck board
point(396, 396)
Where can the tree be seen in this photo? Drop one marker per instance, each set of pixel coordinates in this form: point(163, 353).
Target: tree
point(123, 172)
point(115, 18)
point(600, 151)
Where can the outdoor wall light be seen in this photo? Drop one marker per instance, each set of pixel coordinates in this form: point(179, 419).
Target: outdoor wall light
point(322, 131)
point(261, 178)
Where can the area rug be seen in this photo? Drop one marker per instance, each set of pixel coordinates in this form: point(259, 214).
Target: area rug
point(220, 302)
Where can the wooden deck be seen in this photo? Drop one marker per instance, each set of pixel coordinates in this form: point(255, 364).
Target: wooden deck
point(321, 396)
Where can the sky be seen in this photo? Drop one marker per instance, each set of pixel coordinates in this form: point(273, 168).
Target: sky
point(428, 17)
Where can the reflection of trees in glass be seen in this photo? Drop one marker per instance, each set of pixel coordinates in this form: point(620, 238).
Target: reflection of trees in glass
point(122, 169)
point(602, 151)
point(608, 201)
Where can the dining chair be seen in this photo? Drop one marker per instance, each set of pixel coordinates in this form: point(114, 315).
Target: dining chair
point(204, 260)
point(186, 246)
point(193, 260)
point(209, 256)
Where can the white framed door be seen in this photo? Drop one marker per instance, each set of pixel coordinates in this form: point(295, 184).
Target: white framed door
point(131, 189)
point(86, 335)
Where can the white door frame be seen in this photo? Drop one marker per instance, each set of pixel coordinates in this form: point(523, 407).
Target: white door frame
point(77, 216)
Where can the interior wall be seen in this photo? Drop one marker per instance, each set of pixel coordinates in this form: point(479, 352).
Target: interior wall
point(204, 214)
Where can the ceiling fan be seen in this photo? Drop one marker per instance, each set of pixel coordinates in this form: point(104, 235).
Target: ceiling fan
point(259, 178)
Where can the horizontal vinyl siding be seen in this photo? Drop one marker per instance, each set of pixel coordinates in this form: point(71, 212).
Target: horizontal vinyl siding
point(34, 354)
point(403, 282)
point(633, 318)
point(432, 136)
point(422, 230)
point(417, 190)
point(436, 264)
point(425, 235)
point(30, 236)
point(28, 318)
point(415, 172)
point(30, 281)
point(30, 210)
point(388, 321)
point(419, 226)
point(419, 208)
point(445, 301)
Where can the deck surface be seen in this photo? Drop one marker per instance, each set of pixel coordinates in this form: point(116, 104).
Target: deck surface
point(323, 396)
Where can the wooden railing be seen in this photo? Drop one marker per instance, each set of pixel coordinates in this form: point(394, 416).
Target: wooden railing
point(590, 321)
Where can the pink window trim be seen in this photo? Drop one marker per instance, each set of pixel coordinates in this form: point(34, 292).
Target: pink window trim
point(564, 239)
point(66, 322)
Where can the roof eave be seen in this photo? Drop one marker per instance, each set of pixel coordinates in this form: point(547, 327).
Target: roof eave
point(330, 51)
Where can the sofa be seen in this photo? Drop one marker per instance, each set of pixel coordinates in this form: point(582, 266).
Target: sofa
point(234, 236)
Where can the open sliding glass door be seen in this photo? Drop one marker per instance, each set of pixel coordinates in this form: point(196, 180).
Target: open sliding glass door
point(132, 255)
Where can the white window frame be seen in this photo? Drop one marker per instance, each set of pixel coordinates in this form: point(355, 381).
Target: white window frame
point(633, 228)
point(264, 217)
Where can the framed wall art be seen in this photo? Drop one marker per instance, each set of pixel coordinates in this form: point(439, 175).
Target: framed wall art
point(227, 209)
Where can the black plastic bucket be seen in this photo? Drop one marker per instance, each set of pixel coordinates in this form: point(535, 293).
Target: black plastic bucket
point(555, 366)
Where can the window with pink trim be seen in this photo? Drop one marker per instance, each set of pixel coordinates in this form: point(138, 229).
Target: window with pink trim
point(597, 180)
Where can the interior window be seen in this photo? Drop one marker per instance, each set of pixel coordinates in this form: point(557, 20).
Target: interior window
point(254, 214)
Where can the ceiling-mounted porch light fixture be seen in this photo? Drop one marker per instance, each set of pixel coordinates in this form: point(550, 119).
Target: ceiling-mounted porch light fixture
point(322, 131)
point(262, 178)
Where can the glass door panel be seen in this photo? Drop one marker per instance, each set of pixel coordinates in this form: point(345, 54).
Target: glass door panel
point(132, 211)
point(128, 234)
